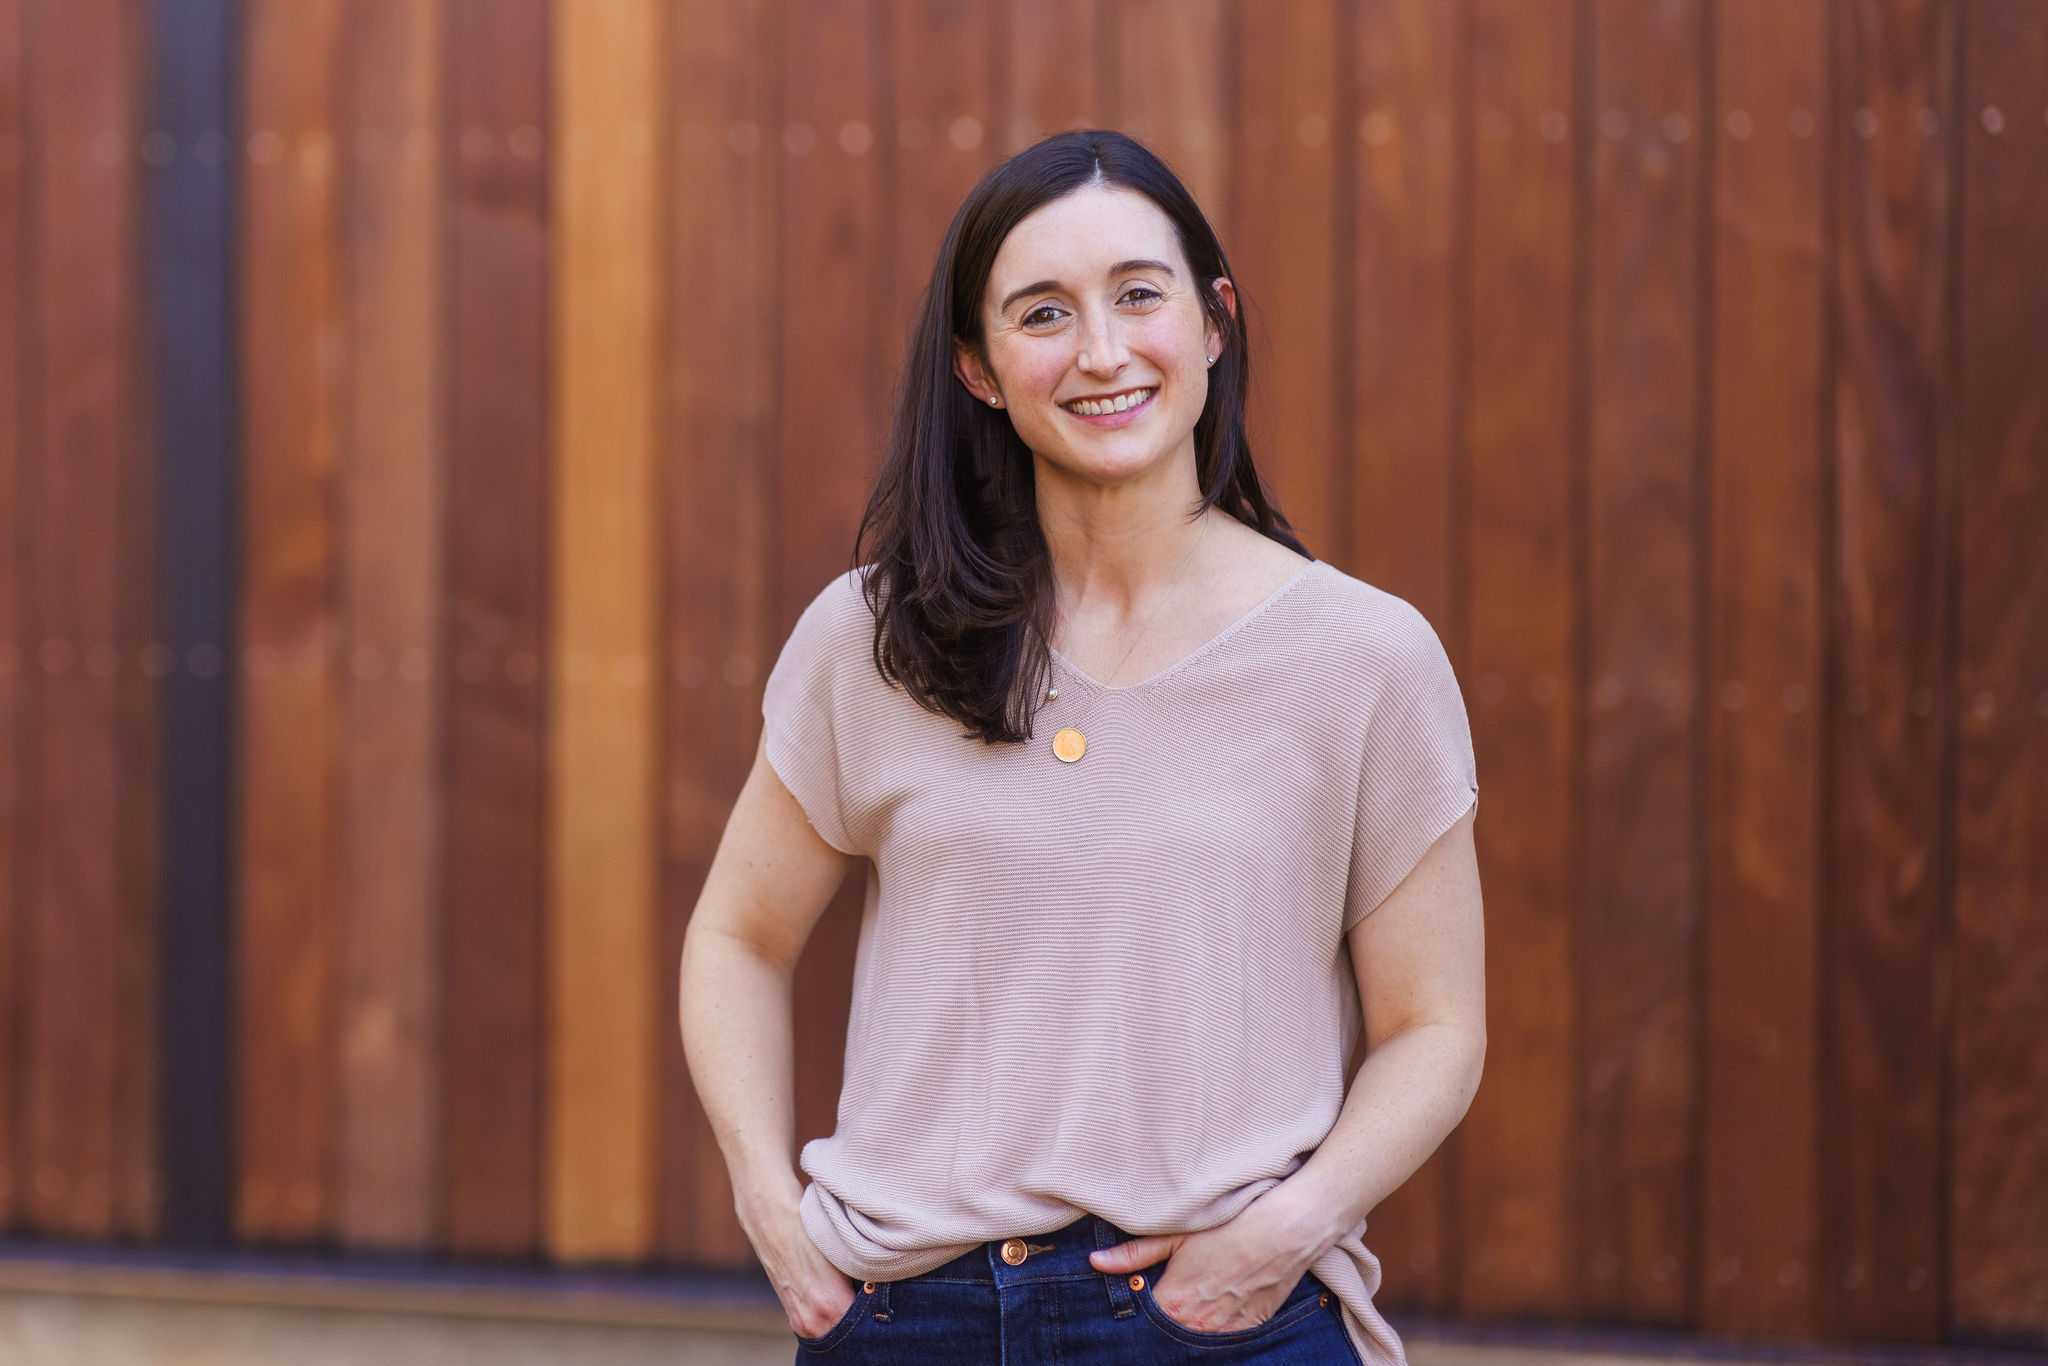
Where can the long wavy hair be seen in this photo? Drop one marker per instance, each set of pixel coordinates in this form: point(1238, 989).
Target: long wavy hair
point(960, 581)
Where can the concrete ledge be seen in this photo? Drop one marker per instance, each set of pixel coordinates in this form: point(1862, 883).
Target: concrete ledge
point(734, 1309)
point(701, 1299)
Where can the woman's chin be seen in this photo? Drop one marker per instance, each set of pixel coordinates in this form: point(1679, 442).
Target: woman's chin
point(1106, 461)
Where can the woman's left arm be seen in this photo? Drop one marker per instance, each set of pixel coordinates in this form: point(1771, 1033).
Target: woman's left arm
point(1420, 960)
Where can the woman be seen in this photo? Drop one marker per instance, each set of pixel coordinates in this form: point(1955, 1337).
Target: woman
point(1157, 813)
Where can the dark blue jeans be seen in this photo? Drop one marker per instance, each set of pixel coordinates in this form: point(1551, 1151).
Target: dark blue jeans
point(1052, 1308)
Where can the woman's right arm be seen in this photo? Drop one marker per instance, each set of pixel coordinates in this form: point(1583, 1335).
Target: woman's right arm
point(769, 882)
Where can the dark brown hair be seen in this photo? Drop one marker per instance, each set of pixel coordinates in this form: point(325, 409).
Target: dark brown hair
point(961, 578)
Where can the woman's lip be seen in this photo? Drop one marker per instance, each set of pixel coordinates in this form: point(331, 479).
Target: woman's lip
point(1124, 418)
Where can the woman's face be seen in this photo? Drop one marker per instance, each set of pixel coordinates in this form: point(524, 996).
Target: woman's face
point(1090, 307)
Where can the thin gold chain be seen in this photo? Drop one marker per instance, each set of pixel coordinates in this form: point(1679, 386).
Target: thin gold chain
point(1199, 541)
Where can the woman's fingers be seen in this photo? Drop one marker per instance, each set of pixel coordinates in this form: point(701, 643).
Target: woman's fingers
point(1136, 1252)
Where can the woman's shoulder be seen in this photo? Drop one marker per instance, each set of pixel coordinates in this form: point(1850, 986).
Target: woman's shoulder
point(1368, 625)
point(840, 605)
point(834, 627)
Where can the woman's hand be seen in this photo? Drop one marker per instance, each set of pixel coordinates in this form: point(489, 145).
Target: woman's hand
point(815, 1294)
point(1235, 1275)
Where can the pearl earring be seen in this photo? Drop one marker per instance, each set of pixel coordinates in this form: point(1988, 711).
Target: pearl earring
point(994, 402)
point(1212, 360)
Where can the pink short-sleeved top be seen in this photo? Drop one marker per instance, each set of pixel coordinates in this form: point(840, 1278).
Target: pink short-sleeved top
point(1194, 872)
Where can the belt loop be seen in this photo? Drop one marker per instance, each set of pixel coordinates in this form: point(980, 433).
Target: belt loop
point(882, 1313)
point(1121, 1305)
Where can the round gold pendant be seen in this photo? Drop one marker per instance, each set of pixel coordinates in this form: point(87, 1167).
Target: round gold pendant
point(1068, 744)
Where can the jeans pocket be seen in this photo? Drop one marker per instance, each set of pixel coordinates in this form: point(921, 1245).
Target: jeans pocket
point(836, 1334)
point(1303, 1300)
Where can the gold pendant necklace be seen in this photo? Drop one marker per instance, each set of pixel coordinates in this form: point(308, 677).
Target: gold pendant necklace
point(1068, 743)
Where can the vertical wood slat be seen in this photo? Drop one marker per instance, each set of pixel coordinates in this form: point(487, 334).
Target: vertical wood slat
point(943, 118)
point(718, 547)
point(287, 741)
point(1761, 1159)
point(1402, 381)
point(389, 521)
point(833, 421)
point(82, 391)
point(1284, 216)
point(190, 262)
point(15, 657)
point(1638, 759)
point(1893, 192)
point(1996, 1186)
point(608, 301)
point(1049, 82)
point(139, 845)
point(494, 536)
point(1177, 99)
point(1516, 1198)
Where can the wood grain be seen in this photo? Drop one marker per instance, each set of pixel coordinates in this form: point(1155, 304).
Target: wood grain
point(831, 406)
point(387, 1065)
point(1404, 376)
point(1176, 100)
point(607, 319)
point(292, 347)
point(82, 395)
point(1517, 1199)
point(1053, 69)
point(140, 831)
point(943, 119)
point(190, 250)
point(494, 611)
point(1893, 194)
point(1283, 215)
point(1641, 909)
point(1996, 1192)
point(1760, 1121)
point(718, 551)
point(15, 656)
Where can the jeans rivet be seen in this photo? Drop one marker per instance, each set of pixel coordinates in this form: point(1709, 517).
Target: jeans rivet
point(1137, 1280)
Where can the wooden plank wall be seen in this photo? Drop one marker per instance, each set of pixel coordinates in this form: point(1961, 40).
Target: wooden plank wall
point(1768, 514)
point(15, 663)
point(493, 617)
point(84, 859)
point(389, 486)
point(1996, 1161)
point(1679, 360)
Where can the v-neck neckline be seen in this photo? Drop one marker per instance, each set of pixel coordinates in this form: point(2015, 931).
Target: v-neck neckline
point(1213, 642)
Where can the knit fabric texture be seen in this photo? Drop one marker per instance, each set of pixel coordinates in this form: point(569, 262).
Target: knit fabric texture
point(1118, 985)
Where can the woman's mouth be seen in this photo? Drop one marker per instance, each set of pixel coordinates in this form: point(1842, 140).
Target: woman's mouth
point(1112, 410)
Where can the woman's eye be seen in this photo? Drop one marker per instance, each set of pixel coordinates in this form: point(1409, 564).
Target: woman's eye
point(1139, 293)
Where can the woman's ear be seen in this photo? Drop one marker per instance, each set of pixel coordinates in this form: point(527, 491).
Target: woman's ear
point(1211, 334)
point(967, 365)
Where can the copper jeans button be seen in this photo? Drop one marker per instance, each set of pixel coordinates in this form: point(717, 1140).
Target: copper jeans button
point(1013, 1251)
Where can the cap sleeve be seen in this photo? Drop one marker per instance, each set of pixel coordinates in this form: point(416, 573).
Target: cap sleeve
point(1418, 775)
point(800, 707)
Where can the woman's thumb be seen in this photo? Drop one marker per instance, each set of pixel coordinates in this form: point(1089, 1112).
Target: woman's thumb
point(1137, 1252)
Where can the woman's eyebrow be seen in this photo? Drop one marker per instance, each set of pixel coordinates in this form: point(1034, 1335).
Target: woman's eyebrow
point(1120, 268)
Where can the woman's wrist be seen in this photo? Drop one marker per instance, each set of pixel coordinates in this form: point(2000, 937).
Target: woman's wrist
point(765, 1190)
point(1302, 1214)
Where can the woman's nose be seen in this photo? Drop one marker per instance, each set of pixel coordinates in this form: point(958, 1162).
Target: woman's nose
point(1102, 346)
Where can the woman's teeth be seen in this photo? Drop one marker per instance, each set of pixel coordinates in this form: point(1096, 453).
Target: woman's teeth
point(1093, 408)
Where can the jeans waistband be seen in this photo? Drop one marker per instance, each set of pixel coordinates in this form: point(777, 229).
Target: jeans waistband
point(1061, 1254)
